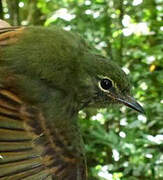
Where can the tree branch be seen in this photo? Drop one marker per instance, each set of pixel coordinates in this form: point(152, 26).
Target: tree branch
point(1, 10)
point(14, 12)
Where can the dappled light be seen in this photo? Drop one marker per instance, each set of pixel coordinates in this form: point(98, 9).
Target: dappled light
point(120, 144)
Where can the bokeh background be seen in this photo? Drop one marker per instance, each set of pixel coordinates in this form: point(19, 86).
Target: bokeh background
point(120, 143)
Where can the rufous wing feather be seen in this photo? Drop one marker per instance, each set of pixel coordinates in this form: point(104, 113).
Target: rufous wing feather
point(28, 149)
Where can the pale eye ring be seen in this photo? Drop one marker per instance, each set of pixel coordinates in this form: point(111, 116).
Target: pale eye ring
point(106, 84)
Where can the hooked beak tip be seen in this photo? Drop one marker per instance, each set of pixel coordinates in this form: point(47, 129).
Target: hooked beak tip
point(132, 103)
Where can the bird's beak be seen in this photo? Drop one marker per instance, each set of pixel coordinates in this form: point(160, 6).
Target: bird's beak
point(131, 102)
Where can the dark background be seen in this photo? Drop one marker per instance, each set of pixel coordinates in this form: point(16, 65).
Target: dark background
point(120, 143)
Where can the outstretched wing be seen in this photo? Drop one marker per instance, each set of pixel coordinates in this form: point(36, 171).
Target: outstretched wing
point(18, 156)
point(29, 148)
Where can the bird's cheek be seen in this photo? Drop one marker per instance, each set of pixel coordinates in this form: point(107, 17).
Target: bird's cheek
point(111, 98)
point(112, 94)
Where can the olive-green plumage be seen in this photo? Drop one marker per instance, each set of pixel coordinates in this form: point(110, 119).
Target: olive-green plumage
point(54, 73)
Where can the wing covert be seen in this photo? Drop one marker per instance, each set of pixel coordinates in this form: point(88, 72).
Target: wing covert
point(9, 35)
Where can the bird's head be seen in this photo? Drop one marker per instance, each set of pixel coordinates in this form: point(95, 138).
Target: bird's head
point(106, 84)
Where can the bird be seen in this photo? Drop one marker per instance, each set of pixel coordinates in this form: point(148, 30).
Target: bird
point(47, 75)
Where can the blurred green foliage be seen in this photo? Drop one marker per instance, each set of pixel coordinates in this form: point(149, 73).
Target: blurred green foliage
point(120, 144)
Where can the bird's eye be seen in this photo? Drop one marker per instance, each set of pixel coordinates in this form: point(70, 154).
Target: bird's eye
point(106, 84)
